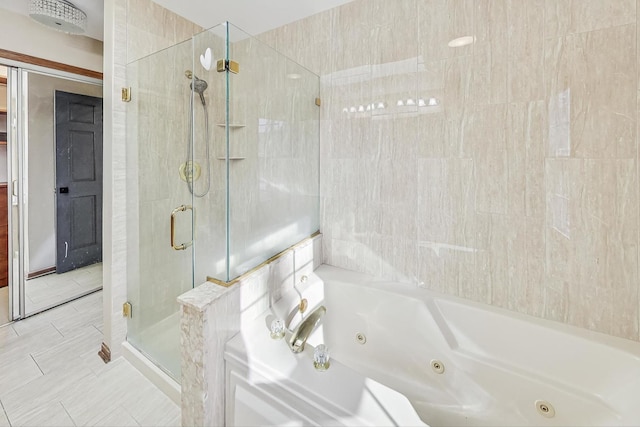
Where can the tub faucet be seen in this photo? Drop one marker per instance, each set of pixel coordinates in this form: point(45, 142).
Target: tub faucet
point(305, 328)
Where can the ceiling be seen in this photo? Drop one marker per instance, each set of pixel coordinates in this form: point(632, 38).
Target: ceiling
point(252, 16)
point(93, 8)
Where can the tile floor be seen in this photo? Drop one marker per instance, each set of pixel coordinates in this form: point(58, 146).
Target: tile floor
point(46, 291)
point(51, 375)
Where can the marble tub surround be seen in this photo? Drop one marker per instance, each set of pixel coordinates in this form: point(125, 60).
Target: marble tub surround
point(515, 182)
point(212, 314)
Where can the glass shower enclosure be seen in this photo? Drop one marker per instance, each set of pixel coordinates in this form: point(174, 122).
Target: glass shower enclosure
point(222, 173)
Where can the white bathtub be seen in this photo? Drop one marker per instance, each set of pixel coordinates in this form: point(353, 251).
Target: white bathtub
point(500, 368)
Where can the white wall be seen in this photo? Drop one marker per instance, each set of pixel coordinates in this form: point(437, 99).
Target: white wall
point(19, 33)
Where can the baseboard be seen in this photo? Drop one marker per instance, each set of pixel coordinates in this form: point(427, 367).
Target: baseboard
point(42, 272)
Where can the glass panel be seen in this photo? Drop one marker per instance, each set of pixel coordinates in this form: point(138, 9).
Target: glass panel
point(191, 132)
point(210, 153)
point(273, 153)
point(46, 283)
point(159, 147)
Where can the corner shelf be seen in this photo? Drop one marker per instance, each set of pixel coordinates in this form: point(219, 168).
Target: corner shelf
point(232, 158)
point(231, 125)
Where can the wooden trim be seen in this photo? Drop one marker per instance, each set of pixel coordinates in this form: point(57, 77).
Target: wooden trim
point(3, 80)
point(41, 272)
point(105, 353)
point(15, 56)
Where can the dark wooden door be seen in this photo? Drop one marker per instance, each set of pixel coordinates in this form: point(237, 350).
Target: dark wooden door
point(78, 181)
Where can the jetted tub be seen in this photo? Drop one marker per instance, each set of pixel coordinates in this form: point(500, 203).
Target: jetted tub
point(401, 355)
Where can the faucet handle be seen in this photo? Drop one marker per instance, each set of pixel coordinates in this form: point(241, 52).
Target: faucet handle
point(321, 358)
point(277, 329)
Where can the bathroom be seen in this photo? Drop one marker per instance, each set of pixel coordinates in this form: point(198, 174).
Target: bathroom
point(483, 149)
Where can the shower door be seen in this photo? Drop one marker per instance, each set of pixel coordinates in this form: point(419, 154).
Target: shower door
point(176, 187)
point(160, 213)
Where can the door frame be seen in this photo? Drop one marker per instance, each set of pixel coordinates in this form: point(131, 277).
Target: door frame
point(17, 177)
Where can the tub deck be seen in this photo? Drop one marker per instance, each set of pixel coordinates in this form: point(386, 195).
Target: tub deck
point(257, 364)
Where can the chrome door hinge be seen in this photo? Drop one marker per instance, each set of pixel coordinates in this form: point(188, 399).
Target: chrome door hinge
point(127, 309)
point(126, 94)
point(228, 65)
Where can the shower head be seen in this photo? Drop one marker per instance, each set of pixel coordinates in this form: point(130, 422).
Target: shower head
point(197, 85)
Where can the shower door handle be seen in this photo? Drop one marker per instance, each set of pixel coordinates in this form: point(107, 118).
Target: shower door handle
point(182, 246)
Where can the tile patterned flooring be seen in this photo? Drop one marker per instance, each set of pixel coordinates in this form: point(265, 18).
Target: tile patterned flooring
point(51, 375)
point(46, 291)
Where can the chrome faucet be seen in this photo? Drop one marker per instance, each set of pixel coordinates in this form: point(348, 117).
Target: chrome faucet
point(305, 328)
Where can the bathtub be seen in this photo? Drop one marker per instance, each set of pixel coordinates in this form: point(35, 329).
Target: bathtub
point(402, 355)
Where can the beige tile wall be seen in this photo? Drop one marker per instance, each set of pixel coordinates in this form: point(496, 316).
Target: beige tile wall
point(520, 187)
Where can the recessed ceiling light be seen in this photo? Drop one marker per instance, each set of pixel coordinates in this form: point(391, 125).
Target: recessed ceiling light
point(294, 76)
point(462, 41)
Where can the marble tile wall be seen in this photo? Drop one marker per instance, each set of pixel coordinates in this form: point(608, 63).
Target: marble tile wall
point(515, 182)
